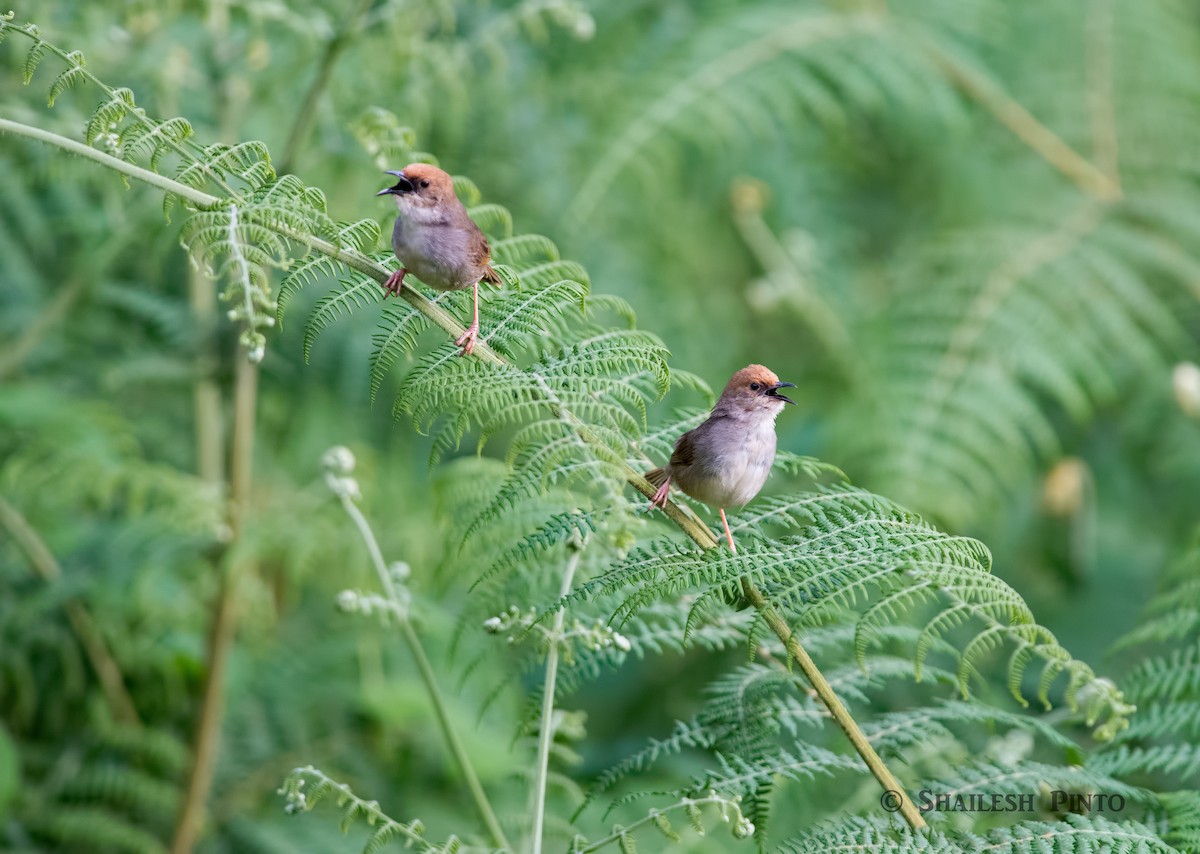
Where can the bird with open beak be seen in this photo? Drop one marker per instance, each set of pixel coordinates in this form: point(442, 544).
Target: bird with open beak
point(725, 461)
point(436, 241)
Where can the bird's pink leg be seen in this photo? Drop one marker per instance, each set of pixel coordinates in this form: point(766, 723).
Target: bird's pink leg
point(660, 497)
point(467, 339)
point(728, 533)
point(395, 283)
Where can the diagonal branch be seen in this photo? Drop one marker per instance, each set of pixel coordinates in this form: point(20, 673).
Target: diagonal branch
point(44, 564)
point(1024, 125)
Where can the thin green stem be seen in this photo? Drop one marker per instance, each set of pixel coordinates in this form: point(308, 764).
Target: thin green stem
point(12, 357)
point(198, 197)
point(889, 783)
point(546, 731)
point(486, 813)
point(616, 835)
point(225, 615)
point(308, 108)
point(189, 152)
point(822, 321)
point(46, 566)
point(1024, 125)
point(375, 817)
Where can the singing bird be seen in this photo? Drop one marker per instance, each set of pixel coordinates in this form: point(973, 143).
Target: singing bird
point(725, 461)
point(436, 241)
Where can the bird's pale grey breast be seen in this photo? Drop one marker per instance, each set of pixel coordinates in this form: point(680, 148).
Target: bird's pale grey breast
point(427, 250)
point(731, 458)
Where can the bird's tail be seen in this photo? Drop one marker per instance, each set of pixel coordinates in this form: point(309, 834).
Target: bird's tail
point(657, 477)
point(491, 276)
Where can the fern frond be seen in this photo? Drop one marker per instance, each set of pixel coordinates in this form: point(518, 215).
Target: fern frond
point(1076, 834)
point(1178, 760)
point(988, 778)
point(73, 76)
point(305, 787)
point(523, 248)
point(968, 387)
point(354, 292)
point(790, 67)
point(492, 219)
point(1173, 677)
point(854, 549)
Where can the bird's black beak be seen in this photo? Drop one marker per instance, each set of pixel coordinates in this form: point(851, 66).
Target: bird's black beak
point(774, 391)
point(403, 185)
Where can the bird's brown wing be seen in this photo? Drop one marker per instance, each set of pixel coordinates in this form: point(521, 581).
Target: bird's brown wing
point(481, 256)
point(685, 451)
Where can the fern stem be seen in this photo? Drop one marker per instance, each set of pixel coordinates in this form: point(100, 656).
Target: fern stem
point(33, 333)
point(482, 804)
point(1098, 32)
point(224, 627)
point(308, 107)
point(624, 832)
point(824, 323)
point(44, 564)
point(816, 678)
point(198, 197)
point(206, 394)
point(1010, 113)
point(546, 731)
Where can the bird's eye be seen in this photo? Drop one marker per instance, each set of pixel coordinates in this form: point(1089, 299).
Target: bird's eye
point(424, 182)
point(754, 386)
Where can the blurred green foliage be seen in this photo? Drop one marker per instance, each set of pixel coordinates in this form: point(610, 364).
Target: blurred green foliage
point(966, 229)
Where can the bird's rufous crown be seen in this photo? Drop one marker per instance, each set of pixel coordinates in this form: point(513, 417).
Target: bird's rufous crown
point(751, 374)
point(439, 180)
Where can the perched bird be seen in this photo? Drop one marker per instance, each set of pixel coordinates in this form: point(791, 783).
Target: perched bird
point(436, 241)
point(725, 461)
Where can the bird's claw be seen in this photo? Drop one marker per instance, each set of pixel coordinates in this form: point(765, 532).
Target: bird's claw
point(394, 283)
point(662, 496)
point(467, 339)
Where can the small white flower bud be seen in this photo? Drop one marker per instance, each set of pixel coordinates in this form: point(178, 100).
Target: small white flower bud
point(622, 642)
point(583, 27)
point(347, 601)
point(338, 460)
point(1065, 487)
point(1186, 379)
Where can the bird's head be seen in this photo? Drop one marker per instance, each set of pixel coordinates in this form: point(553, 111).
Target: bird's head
point(420, 187)
point(755, 389)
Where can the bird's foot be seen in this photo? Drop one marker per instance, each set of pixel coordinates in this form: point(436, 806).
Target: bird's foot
point(395, 283)
point(662, 495)
point(467, 339)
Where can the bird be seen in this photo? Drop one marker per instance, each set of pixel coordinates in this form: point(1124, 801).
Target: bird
point(725, 461)
point(436, 241)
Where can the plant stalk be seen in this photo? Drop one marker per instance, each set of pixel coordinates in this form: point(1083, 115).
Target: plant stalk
point(224, 627)
point(482, 804)
point(308, 108)
point(1025, 126)
point(44, 564)
point(206, 394)
point(908, 810)
point(546, 731)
